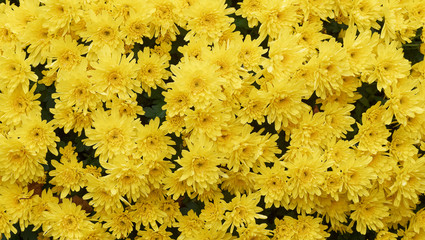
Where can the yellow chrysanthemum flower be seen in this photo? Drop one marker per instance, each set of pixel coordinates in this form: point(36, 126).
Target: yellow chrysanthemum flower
point(213, 214)
point(370, 211)
point(120, 223)
point(330, 65)
point(238, 182)
point(104, 195)
point(136, 24)
point(40, 205)
point(146, 212)
point(126, 106)
point(19, 104)
point(242, 211)
point(152, 142)
point(251, 10)
point(149, 234)
point(200, 165)
point(207, 121)
point(152, 69)
point(305, 227)
point(278, 17)
point(112, 135)
point(38, 37)
point(306, 174)
point(286, 56)
point(38, 135)
point(246, 150)
point(175, 187)
point(68, 176)
point(165, 17)
point(200, 80)
point(254, 231)
point(366, 14)
point(18, 163)
point(357, 176)
point(102, 30)
point(6, 224)
point(190, 225)
point(409, 181)
point(98, 232)
point(67, 55)
point(372, 137)
point(285, 106)
point(360, 49)
point(171, 209)
point(405, 101)
point(115, 74)
point(389, 67)
point(15, 71)
point(208, 19)
point(129, 177)
point(58, 15)
point(18, 202)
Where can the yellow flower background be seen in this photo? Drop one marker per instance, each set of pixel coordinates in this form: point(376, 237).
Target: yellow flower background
point(212, 119)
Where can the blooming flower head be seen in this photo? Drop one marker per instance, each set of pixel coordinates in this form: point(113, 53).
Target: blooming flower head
point(200, 80)
point(390, 65)
point(129, 177)
point(285, 105)
point(306, 173)
point(305, 227)
point(405, 101)
point(207, 121)
point(126, 106)
point(18, 202)
point(251, 10)
point(103, 32)
point(38, 135)
point(359, 49)
point(68, 176)
point(272, 183)
point(58, 15)
point(66, 220)
point(357, 176)
point(150, 233)
point(277, 17)
point(254, 231)
point(111, 134)
point(208, 19)
point(19, 104)
point(370, 211)
point(19, 163)
point(408, 180)
point(152, 141)
point(103, 194)
point(189, 225)
point(165, 17)
point(330, 65)
point(239, 182)
point(115, 74)
point(66, 53)
point(372, 137)
point(16, 71)
point(6, 224)
point(200, 165)
point(242, 211)
point(120, 223)
point(147, 212)
point(152, 70)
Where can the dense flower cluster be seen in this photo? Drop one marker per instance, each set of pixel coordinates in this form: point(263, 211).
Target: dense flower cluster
point(253, 122)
